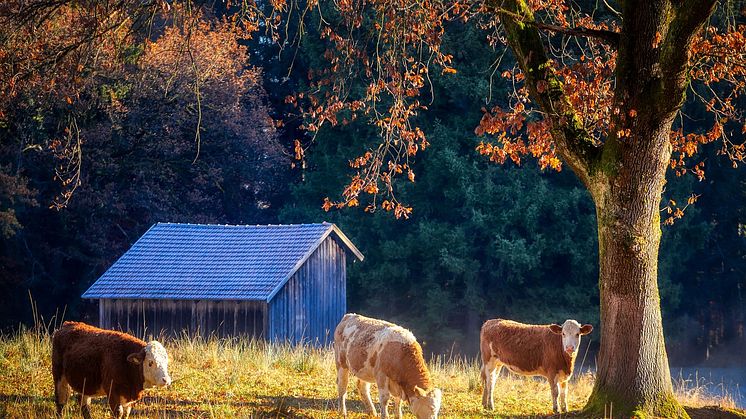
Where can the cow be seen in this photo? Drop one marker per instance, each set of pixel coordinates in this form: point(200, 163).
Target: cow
point(97, 362)
point(376, 351)
point(546, 350)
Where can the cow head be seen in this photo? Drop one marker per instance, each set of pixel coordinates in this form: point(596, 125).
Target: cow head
point(571, 332)
point(154, 361)
point(425, 404)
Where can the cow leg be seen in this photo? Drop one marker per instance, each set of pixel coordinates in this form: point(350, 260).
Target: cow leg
point(383, 398)
point(554, 386)
point(489, 373)
point(85, 406)
point(364, 389)
point(127, 410)
point(397, 407)
point(343, 375)
point(62, 392)
point(563, 395)
point(115, 404)
point(485, 385)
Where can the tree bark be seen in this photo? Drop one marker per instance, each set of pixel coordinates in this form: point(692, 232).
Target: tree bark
point(632, 378)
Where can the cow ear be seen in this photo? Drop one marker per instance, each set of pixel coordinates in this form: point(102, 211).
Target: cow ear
point(585, 329)
point(437, 394)
point(420, 392)
point(556, 329)
point(136, 358)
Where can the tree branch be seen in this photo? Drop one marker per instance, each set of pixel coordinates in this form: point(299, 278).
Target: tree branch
point(616, 13)
point(609, 37)
point(689, 18)
point(574, 144)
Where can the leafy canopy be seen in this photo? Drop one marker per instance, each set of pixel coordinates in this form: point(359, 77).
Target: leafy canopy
point(382, 55)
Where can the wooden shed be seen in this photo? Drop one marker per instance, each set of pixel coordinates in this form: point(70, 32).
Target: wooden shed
point(278, 282)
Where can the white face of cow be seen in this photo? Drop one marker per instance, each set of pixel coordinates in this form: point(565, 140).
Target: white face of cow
point(571, 332)
point(426, 404)
point(154, 360)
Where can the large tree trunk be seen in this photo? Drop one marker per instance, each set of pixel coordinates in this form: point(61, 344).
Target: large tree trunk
point(633, 377)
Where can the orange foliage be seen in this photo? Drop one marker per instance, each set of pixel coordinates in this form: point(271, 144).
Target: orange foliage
point(396, 67)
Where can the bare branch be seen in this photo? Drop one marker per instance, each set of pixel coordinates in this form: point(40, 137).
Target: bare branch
point(613, 10)
point(609, 37)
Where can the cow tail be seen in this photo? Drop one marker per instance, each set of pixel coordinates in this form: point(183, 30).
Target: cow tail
point(60, 394)
point(57, 370)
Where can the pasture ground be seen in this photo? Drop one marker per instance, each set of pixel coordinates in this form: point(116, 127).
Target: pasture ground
point(250, 379)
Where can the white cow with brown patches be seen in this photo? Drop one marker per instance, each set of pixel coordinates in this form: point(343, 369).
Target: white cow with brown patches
point(383, 353)
point(546, 350)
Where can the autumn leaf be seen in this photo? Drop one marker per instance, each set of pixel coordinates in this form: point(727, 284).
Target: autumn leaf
point(298, 148)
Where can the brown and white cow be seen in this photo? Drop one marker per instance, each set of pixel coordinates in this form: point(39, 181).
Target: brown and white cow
point(546, 350)
point(376, 351)
point(97, 362)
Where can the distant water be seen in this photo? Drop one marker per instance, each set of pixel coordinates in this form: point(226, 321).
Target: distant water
point(728, 382)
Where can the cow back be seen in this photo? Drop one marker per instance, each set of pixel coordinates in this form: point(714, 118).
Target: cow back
point(94, 361)
point(523, 348)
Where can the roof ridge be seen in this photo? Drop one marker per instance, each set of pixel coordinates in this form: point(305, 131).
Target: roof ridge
point(323, 223)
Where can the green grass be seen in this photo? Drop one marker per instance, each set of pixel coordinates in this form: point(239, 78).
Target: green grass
point(243, 378)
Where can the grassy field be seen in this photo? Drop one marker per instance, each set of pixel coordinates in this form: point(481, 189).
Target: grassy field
point(241, 378)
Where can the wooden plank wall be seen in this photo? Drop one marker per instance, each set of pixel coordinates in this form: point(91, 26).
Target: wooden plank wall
point(145, 318)
point(313, 301)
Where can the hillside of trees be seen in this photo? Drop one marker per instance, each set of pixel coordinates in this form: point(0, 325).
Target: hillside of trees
point(482, 241)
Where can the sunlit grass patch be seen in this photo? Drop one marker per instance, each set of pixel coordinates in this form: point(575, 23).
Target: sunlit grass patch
point(214, 378)
point(697, 391)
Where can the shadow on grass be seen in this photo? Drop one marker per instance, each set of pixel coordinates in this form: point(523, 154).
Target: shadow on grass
point(288, 407)
point(713, 412)
point(707, 412)
point(167, 407)
point(160, 400)
point(262, 407)
point(16, 398)
point(295, 406)
point(571, 414)
point(149, 406)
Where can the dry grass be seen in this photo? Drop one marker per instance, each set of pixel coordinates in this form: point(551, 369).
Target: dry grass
point(242, 378)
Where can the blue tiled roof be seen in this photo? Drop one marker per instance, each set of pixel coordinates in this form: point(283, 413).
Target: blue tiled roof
point(218, 262)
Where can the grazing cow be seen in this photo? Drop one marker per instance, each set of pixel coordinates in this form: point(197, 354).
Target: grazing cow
point(546, 350)
point(97, 362)
point(380, 352)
